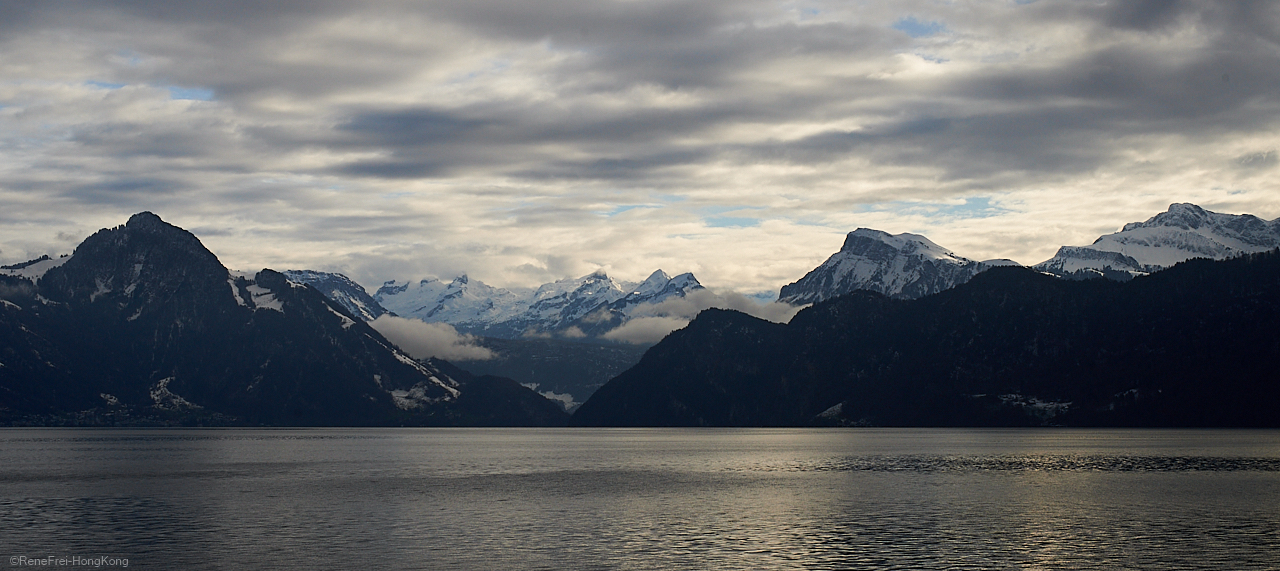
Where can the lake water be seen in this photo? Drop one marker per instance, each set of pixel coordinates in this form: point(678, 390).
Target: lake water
point(641, 499)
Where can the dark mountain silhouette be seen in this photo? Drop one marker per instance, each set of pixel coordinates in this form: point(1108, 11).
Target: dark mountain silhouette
point(1194, 345)
point(143, 325)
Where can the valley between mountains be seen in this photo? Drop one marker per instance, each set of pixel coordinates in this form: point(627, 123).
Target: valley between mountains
point(1168, 322)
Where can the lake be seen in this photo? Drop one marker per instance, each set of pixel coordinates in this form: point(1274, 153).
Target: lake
point(640, 498)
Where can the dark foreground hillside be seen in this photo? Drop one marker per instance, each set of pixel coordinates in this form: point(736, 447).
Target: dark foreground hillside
point(1194, 345)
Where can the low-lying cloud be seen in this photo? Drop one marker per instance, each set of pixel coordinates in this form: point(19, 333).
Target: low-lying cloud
point(422, 340)
point(645, 330)
point(649, 324)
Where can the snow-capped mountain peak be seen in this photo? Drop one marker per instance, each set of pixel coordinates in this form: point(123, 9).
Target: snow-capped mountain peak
point(1183, 232)
point(897, 265)
point(461, 300)
point(656, 288)
point(341, 289)
point(474, 307)
point(872, 243)
point(556, 304)
point(652, 284)
point(594, 283)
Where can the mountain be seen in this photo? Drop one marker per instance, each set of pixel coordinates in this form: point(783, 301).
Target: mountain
point(1183, 232)
point(590, 312)
point(461, 302)
point(559, 305)
point(909, 266)
point(549, 338)
point(563, 370)
point(900, 266)
point(143, 325)
point(658, 287)
point(574, 307)
point(1193, 345)
point(341, 289)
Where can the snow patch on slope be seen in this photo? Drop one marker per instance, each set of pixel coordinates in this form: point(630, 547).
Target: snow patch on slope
point(264, 298)
point(235, 292)
point(34, 269)
point(166, 400)
point(347, 322)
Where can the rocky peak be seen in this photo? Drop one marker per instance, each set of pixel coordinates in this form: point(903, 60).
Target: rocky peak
point(141, 261)
point(1183, 232)
point(655, 282)
point(343, 290)
point(897, 265)
point(147, 221)
point(1180, 215)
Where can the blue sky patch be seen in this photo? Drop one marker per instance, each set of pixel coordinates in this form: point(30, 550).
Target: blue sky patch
point(194, 93)
point(918, 29)
point(130, 58)
point(973, 207)
point(620, 208)
point(730, 222)
point(715, 217)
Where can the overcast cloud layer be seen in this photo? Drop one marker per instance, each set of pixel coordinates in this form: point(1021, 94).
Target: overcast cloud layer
point(523, 142)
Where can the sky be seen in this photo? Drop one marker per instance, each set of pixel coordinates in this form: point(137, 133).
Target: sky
point(524, 142)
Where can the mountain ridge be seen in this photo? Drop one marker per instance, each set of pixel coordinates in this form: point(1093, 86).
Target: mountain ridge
point(1182, 232)
point(142, 324)
point(1192, 345)
point(910, 266)
point(903, 266)
point(574, 308)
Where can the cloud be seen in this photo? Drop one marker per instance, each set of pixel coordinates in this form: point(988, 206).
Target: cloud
point(695, 301)
point(386, 139)
point(650, 323)
point(19, 291)
point(1258, 160)
point(422, 340)
point(645, 330)
point(565, 399)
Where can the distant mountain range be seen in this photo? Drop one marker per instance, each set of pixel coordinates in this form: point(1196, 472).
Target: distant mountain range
point(550, 339)
point(143, 325)
point(908, 266)
point(580, 308)
point(1184, 232)
point(576, 308)
point(903, 266)
point(1193, 345)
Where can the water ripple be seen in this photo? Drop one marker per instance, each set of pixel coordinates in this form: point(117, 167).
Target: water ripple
point(1036, 463)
